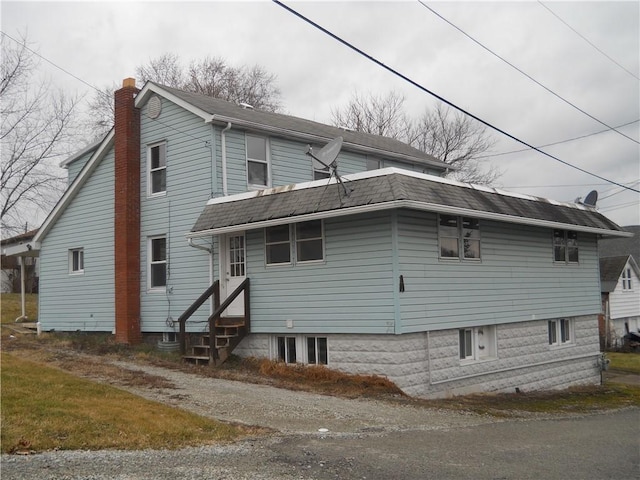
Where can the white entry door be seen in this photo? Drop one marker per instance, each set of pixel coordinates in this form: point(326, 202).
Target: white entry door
point(233, 271)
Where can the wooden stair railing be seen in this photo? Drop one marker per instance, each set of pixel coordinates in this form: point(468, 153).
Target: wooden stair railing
point(224, 333)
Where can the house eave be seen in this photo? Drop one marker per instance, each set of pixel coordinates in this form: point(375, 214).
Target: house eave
point(26, 249)
point(407, 204)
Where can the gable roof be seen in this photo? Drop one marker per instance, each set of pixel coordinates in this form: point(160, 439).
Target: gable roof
point(613, 247)
point(386, 189)
point(611, 269)
point(221, 111)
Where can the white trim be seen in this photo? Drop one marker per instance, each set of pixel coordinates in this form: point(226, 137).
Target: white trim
point(71, 254)
point(150, 239)
point(266, 161)
point(75, 187)
point(150, 170)
point(65, 163)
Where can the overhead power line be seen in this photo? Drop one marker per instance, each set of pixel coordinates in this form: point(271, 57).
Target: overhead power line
point(588, 41)
point(435, 95)
point(559, 142)
point(526, 74)
point(24, 45)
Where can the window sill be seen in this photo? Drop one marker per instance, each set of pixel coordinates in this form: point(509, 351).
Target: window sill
point(75, 274)
point(475, 362)
point(157, 195)
point(561, 346)
point(157, 290)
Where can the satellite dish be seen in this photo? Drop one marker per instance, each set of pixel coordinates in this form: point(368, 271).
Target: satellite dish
point(591, 199)
point(328, 153)
point(327, 157)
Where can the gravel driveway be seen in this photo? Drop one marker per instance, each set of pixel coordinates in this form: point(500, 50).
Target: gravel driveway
point(363, 439)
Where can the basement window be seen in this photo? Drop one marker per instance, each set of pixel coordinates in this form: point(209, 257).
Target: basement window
point(560, 332)
point(302, 349)
point(477, 343)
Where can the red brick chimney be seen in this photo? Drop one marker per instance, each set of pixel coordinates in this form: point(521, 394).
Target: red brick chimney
point(127, 214)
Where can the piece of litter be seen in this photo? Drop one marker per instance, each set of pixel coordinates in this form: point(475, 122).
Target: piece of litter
point(323, 430)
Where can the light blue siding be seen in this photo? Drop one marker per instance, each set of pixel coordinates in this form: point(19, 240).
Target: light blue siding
point(516, 280)
point(73, 169)
point(189, 185)
point(82, 301)
point(350, 292)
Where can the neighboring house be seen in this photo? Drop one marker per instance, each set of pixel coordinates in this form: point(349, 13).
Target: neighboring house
point(443, 287)
point(620, 286)
point(10, 275)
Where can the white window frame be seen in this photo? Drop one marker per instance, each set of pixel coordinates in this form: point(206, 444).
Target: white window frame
point(151, 263)
point(150, 170)
point(293, 242)
point(460, 238)
point(299, 344)
point(480, 344)
point(627, 286)
point(266, 161)
point(76, 253)
point(560, 332)
point(563, 242)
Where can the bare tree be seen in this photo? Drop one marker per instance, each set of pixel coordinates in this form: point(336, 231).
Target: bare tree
point(211, 76)
point(457, 140)
point(380, 115)
point(36, 129)
point(165, 70)
point(451, 137)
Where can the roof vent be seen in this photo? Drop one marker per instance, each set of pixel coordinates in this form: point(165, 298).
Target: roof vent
point(346, 129)
point(246, 106)
point(154, 107)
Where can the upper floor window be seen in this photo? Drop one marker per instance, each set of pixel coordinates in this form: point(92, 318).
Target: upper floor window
point(626, 279)
point(157, 163)
point(157, 255)
point(257, 161)
point(373, 163)
point(76, 260)
point(307, 238)
point(565, 246)
point(459, 237)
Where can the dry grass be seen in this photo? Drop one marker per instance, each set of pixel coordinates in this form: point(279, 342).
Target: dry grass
point(11, 307)
point(625, 362)
point(44, 408)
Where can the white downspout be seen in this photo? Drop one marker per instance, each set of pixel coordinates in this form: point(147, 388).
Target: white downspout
point(223, 147)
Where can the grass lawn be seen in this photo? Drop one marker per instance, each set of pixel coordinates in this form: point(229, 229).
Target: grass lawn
point(44, 408)
point(627, 362)
point(11, 307)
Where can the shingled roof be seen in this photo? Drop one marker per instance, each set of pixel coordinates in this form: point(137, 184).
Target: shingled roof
point(294, 126)
point(386, 189)
point(611, 269)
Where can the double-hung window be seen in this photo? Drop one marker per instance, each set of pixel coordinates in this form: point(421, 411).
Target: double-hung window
point(257, 161)
point(304, 242)
point(373, 163)
point(565, 246)
point(459, 237)
point(560, 331)
point(157, 167)
point(76, 260)
point(626, 279)
point(157, 255)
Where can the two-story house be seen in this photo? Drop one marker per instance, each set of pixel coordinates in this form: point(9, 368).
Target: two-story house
point(443, 287)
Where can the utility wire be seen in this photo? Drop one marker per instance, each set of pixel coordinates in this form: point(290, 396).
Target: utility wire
point(619, 191)
point(557, 143)
point(526, 74)
point(587, 40)
point(24, 45)
point(424, 89)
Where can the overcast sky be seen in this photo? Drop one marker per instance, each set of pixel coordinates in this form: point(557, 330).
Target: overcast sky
point(103, 42)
